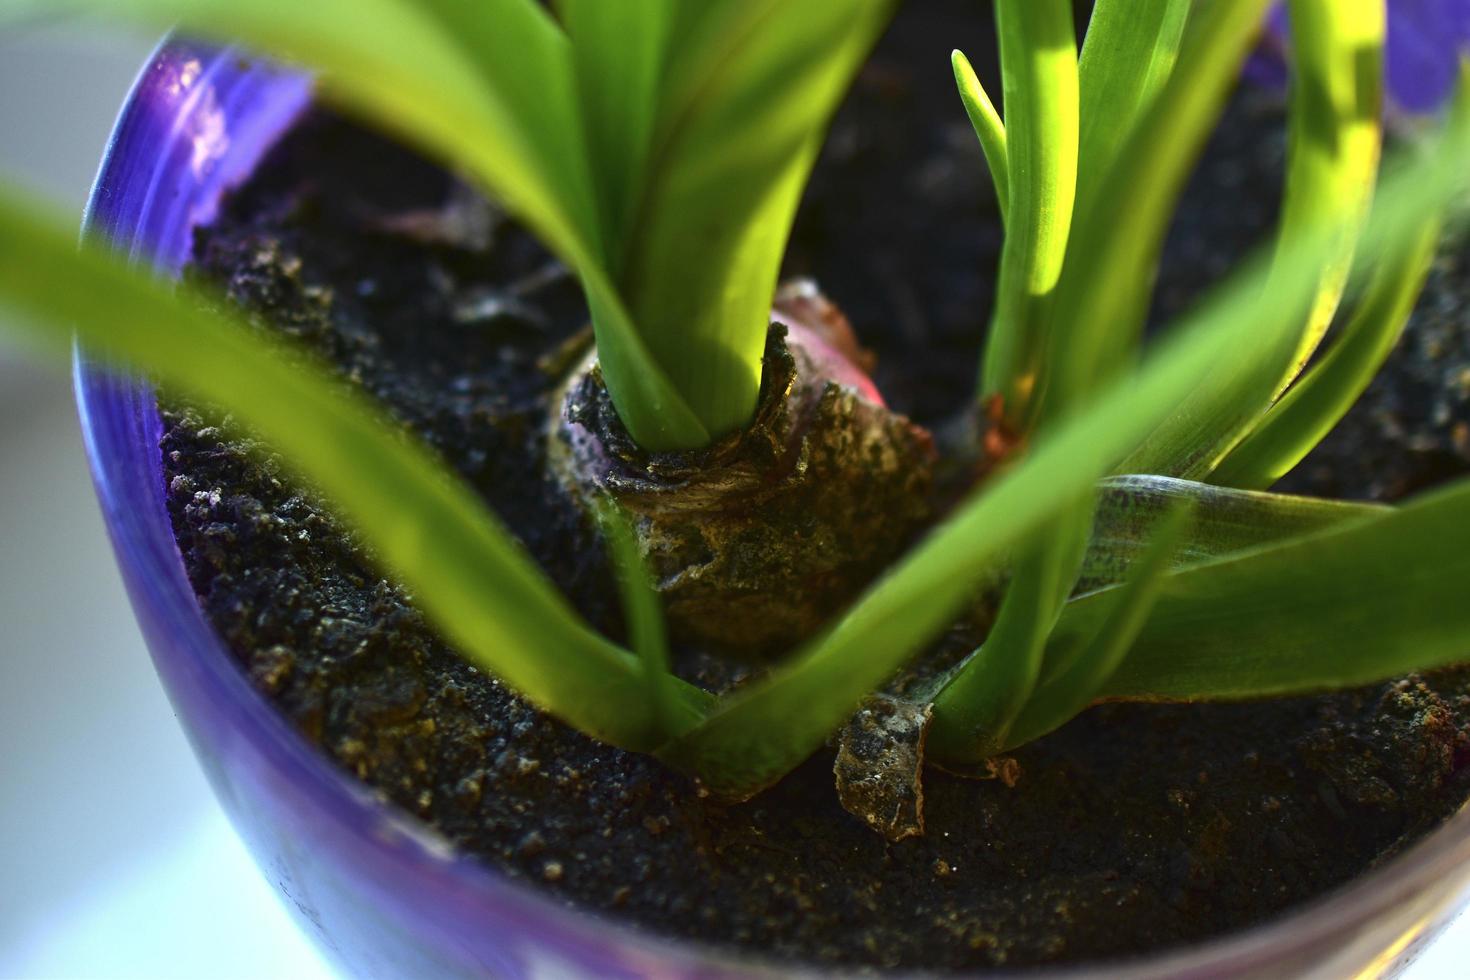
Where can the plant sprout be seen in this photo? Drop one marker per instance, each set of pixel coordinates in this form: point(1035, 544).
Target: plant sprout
point(660, 147)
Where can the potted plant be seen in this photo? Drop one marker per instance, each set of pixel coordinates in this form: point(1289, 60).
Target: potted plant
point(698, 440)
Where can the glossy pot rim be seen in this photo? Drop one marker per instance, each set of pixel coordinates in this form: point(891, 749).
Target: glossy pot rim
point(120, 422)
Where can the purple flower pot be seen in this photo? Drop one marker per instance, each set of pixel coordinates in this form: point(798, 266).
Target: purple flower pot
point(379, 891)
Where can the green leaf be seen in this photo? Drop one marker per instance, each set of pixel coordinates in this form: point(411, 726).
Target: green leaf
point(1038, 60)
point(1127, 56)
point(1130, 55)
point(1319, 400)
point(621, 50)
point(1334, 152)
point(524, 61)
point(756, 735)
point(643, 609)
point(975, 708)
point(1347, 606)
point(1310, 408)
point(746, 98)
point(1113, 254)
point(988, 128)
point(1131, 511)
point(491, 91)
point(1335, 140)
point(1097, 655)
point(1224, 521)
point(463, 569)
point(591, 101)
point(976, 713)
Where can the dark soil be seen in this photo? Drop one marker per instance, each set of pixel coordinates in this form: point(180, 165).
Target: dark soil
point(1135, 827)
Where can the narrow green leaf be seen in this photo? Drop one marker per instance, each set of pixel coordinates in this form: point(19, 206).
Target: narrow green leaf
point(621, 51)
point(1130, 57)
point(746, 99)
point(1099, 654)
point(1224, 521)
point(1335, 140)
point(1127, 56)
point(524, 61)
point(1114, 251)
point(1319, 400)
point(761, 732)
point(1334, 152)
point(1309, 410)
point(1342, 607)
point(490, 93)
point(590, 102)
point(463, 568)
point(988, 128)
point(656, 414)
point(975, 709)
point(644, 613)
point(975, 714)
point(1038, 60)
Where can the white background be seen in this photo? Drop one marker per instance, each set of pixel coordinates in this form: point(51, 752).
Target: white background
point(115, 860)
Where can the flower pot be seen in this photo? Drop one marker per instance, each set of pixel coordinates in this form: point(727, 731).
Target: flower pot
point(380, 892)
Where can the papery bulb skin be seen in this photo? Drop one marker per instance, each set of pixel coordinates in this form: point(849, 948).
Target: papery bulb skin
point(757, 540)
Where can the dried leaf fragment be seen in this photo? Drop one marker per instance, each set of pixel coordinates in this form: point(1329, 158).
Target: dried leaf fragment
point(880, 764)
